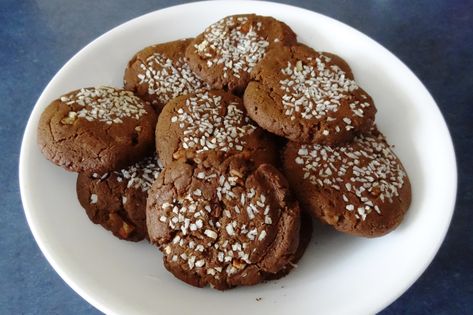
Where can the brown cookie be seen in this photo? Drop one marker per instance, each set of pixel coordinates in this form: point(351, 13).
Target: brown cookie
point(96, 130)
point(305, 235)
point(160, 73)
point(308, 97)
point(360, 188)
point(213, 120)
point(226, 52)
point(223, 223)
point(117, 200)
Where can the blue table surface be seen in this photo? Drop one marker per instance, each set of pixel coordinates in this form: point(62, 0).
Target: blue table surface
point(434, 38)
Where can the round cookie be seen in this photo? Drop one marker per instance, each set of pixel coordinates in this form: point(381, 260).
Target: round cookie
point(160, 73)
point(308, 97)
point(360, 188)
point(213, 120)
point(226, 52)
point(223, 223)
point(96, 130)
point(117, 200)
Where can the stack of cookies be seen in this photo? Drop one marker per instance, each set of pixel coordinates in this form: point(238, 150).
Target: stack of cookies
point(220, 149)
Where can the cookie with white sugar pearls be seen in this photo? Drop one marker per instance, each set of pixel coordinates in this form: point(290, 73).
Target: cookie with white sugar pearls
point(223, 223)
point(213, 120)
point(308, 97)
point(117, 200)
point(160, 73)
point(226, 52)
point(360, 187)
point(96, 129)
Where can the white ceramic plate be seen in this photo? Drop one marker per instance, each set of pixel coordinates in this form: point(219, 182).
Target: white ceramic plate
point(339, 274)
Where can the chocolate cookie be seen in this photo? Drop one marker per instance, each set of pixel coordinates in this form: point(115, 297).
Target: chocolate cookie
point(305, 235)
point(226, 52)
point(223, 223)
point(308, 97)
point(360, 188)
point(117, 200)
point(213, 120)
point(96, 130)
point(160, 73)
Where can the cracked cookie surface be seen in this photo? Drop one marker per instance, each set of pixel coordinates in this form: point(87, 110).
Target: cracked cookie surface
point(226, 52)
point(308, 97)
point(360, 188)
point(96, 130)
point(117, 200)
point(223, 223)
point(210, 121)
point(160, 73)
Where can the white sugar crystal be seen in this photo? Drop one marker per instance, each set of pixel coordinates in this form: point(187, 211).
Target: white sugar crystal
point(262, 235)
point(229, 229)
point(210, 234)
point(93, 199)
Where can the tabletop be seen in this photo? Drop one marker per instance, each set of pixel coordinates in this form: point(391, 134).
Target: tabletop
point(434, 39)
